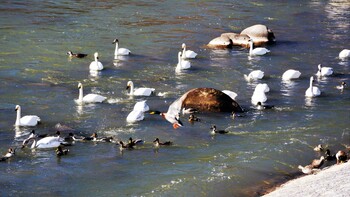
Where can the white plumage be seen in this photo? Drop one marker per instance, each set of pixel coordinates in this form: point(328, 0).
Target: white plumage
point(119, 51)
point(139, 91)
point(29, 120)
point(254, 75)
point(312, 91)
point(182, 64)
point(262, 87)
point(89, 98)
point(256, 51)
point(324, 71)
point(258, 96)
point(137, 114)
point(187, 54)
point(345, 53)
point(96, 65)
point(291, 74)
point(48, 142)
point(231, 94)
point(141, 106)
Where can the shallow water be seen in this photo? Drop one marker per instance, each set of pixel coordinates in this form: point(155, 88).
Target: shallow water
point(262, 146)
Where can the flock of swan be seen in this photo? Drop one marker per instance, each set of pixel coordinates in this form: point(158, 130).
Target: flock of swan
point(246, 38)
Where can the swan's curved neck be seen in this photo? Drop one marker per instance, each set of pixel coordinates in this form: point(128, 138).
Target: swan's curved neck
point(131, 88)
point(251, 45)
point(179, 65)
point(116, 49)
point(183, 55)
point(311, 85)
point(17, 123)
point(80, 94)
point(34, 143)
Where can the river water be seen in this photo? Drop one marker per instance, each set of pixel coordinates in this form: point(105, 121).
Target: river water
point(261, 147)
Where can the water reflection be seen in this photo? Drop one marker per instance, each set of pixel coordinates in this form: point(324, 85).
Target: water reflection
point(287, 87)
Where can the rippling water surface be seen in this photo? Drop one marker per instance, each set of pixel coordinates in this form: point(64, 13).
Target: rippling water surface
point(261, 146)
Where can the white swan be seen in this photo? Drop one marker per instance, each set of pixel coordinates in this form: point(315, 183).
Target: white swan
point(139, 91)
point(48, 142)
point(258, 96)
point(29, 120)
point(262, 87)
point(254, 75)
point(312, 91)
point(345, 53)
point(256, 51)
point(233, 95)
point(119, 51)
point(135, 116)
point(141, 106)
point(96, 65)
point(324, 71)
point(187, 54)
point(182, 64)
point(90, 98)
point(291, 74)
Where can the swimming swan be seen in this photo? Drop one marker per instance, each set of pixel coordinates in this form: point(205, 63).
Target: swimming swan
point(256, 51)
point(291, 74)
point(29, 120)
point(96, 65)
point(139, 91)
point(345, 53)
point(312, 91)
point(187, 54)
point(254, 75)
point(258, 96)
point(137, 114)
point(324, 71)
point(119, 51)
point(90, 98)
point(47, 142)
point(182, 64)
point(233, 95)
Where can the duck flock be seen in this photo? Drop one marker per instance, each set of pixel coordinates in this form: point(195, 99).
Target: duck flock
point(202, 99)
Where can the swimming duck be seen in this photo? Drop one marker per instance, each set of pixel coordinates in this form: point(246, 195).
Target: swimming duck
point(133, 142)
point(259, 33)
point(123, 146)
point(215, 131)
point(341, 157)
point(291, 74)
point(193, 118)
point(60, 151)
point(157, 143)
point(260, 106)
point(187, 54)
point(95, 138)
point(119, 51)
point(89, 98)
point(28, 120)
point(78, 55)
point(312, 91)
point(139, 91)
point(9, 154)
point(96, 65)
point(319, 148)
point(182, 64)
point(324, 71)
point(345, 53)
point(341, 86)
point(254, 75)
point(256, 51)
point(234, 115)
